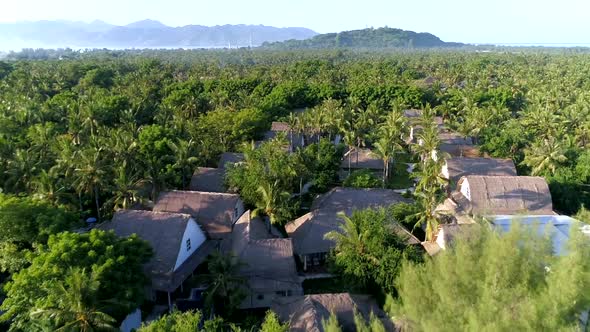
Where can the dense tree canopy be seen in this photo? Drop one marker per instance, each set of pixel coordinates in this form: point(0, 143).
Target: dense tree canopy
point(115, 264)
point(497, 282)
point(369, 250)
point(140, 120)
point(103, 130)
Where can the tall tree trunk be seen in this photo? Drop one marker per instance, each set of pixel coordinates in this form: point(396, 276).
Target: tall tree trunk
point(97, 203)
point(80, 201)
point(384, 173)
point(349, 158)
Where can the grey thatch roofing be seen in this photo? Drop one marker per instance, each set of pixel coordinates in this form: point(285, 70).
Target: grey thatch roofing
point(459, 167)
point(305, 313)
point(213, 211)
point(230, 157)
point(308, 231)
point(451, 138)
point(295, 139)
point(208, 179)
point(412, 113)
point(269, 264)
point(494, 195)
point(164, 232)
point(280, 126)
point(361, 159)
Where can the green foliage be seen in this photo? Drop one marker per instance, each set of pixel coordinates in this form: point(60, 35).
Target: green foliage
point(267, 178)
point(12, 257)
point(362, 179)
point(583, 215)
point(226, 287)
point(322, 161)
point(272, 324)
point(368, 249)
point(27, 220)
point(407, 214)
point(73, 304)
point(116, 264)
point(374, 324)
point(366, 38)
point(500, 282)
point(331, 324)
point(175, 321)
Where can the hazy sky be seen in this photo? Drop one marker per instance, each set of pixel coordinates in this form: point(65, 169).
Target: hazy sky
point(474, 21)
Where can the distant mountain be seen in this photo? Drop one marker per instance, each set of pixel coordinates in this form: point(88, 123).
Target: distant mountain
point(147, 24)
point(366, 38)
point(142, 34)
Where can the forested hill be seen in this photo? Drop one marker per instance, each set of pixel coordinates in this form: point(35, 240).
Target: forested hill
point(366, 38)
point(142, 34)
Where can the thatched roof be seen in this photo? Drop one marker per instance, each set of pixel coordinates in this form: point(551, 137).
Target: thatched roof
point(308, 231)
point(361, 159)
point(269, 264)
point(452, 138)
point(208, 179)
point(459, 167)
point(295, 139)
point(280, 126)
point(164, 232)
point(305, 313)
point(494, 195)
point(213, 211)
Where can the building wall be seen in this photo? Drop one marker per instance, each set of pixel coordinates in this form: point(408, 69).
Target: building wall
point(440, 238)
point(465, 189)
point(445, 171)
point(238, 211)
point(196, 236)
point(131, 322)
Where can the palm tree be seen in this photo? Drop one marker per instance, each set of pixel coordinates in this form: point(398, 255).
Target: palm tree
point(225, 289)
point(385, 149)
point(125, 189)
point(350, 140)
point(184, 159)
point(543, 157)
point(76, 305)
point(428, 202)
point(429, 143)
point(49, 187)
point(350, 237)
point(21, 170)
point(292, 121)
point(90, 174)
point(272, 199)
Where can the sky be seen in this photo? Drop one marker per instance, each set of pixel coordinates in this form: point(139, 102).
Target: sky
point(470, 21)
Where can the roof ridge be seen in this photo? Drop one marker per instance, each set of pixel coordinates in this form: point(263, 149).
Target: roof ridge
point(201, 192)
point(185, 215)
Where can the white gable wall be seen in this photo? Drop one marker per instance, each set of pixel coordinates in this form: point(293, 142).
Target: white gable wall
point(445, 171)
point(196, 236)
point(440, 238)
point(465, 189)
